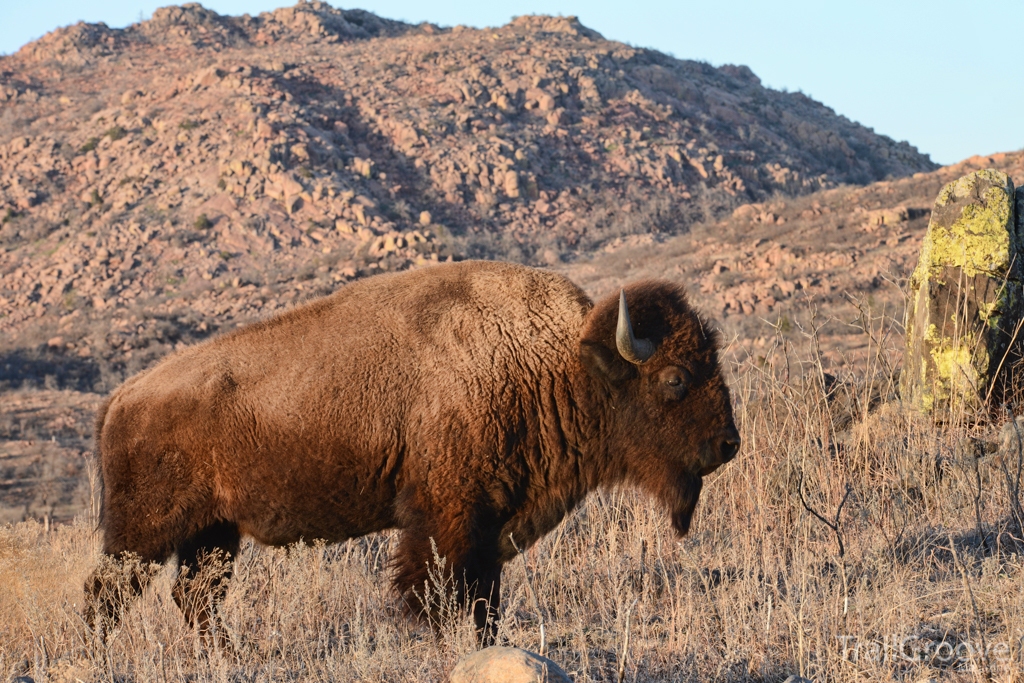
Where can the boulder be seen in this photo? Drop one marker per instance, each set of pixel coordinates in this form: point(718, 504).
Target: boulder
point(511, 182)
point(507, 665)
point(965, 297)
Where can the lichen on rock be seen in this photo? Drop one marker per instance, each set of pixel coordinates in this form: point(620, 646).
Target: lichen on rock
point(965, 297)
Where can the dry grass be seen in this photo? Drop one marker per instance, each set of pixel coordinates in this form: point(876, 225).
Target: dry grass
point(927, 586)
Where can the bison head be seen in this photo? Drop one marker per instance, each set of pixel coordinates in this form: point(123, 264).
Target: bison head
point(666, 411)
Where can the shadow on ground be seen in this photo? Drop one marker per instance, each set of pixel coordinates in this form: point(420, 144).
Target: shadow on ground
point(46, 368)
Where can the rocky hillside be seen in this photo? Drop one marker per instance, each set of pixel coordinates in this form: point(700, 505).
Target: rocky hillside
point(840, 256)
point(195, 170)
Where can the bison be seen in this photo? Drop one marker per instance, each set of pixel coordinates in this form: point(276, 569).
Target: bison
point(471, 405)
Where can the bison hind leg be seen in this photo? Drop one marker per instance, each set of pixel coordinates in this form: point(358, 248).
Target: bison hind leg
point(205, 564)
point(111, 588)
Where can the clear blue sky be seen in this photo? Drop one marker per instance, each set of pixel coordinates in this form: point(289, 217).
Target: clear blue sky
point(946, 76)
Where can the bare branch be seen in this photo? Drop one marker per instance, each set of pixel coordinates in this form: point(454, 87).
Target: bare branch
point(834, 526)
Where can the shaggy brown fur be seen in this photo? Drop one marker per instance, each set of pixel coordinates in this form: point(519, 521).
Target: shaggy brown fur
point(467, 404)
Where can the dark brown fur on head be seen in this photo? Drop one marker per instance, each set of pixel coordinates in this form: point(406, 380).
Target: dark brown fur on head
point(671, 422)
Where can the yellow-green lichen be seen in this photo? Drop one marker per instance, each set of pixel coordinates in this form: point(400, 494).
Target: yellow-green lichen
point(957, 368)
point(979, 240)
point(988, 311)
point(955, 364)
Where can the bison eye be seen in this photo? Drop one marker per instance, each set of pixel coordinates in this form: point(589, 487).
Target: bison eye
point(674, 382)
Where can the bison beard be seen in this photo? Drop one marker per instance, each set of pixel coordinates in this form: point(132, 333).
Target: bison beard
point(686, 502)
point(471, 405)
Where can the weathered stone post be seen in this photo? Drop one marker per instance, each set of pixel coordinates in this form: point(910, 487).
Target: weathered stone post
point(965, 297)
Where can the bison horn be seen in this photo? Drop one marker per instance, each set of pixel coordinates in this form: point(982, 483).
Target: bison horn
point(634, 350)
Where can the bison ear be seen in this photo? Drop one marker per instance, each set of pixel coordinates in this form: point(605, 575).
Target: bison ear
point(605, 363)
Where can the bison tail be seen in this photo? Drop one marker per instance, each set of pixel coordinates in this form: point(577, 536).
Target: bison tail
point(97, 437)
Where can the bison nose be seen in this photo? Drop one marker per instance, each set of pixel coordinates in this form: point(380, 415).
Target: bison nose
point(729, 444)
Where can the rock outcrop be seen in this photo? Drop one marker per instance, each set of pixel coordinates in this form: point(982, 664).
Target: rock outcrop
point(966, 302)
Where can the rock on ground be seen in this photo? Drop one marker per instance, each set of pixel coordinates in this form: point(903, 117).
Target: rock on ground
point(507, 665)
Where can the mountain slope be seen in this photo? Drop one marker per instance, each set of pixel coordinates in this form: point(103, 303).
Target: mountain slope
point(194, 170)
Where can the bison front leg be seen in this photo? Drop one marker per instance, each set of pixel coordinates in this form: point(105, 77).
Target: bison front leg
point(438, 569)
point(486, 595)
point(205, 564)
